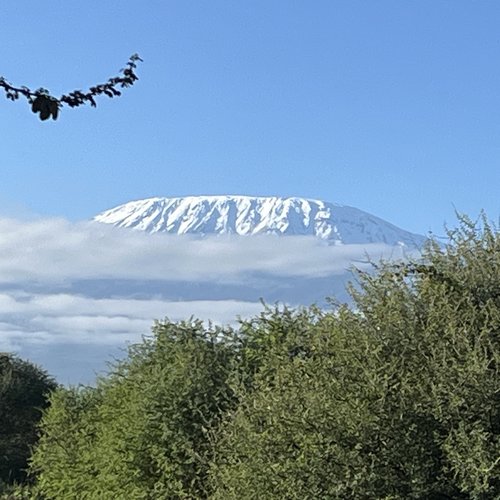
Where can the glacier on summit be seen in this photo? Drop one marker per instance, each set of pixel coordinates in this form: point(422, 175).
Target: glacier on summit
point(248, 215)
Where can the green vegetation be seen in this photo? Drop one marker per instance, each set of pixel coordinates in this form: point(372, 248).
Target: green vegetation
point(23, 395)
point(395, 398)
point(399, 399)
point(145, 429)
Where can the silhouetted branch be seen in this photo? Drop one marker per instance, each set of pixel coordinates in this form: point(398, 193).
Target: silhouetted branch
point(47, 105)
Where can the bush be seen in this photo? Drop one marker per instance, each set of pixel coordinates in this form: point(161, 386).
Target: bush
point(24, 389)
point(144, 431)
point(396, 398)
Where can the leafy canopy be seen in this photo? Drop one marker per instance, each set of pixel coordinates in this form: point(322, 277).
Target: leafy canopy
point(24, 390)
point(145, 429)
point(395, 398)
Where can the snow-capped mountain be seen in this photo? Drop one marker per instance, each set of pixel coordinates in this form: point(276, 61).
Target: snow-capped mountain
point(249, 215)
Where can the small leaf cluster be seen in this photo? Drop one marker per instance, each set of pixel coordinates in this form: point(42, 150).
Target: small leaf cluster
point(46, 105)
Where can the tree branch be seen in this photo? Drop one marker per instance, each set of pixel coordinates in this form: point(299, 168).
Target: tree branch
point(43, 102)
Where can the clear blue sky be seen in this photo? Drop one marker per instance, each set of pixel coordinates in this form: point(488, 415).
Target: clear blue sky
point(392, 106)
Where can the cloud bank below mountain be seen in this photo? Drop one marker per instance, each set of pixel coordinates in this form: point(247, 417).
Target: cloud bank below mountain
point(55, 250)
point(70, 294)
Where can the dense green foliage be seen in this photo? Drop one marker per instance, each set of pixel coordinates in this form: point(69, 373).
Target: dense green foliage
point(399, 399)
point(23, 395)
point(144, 431)
point(396, 398)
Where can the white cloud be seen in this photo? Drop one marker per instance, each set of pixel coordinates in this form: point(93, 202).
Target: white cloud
point(73, 337)
point(72, 333)
point(55, 250)
point(72, 319)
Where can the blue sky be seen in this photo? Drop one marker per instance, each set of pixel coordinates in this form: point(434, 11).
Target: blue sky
point(392, 106)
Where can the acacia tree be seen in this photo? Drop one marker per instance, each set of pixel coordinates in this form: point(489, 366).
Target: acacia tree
point(47, 105)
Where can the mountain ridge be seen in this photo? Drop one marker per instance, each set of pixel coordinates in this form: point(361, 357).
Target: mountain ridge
point(251, 215)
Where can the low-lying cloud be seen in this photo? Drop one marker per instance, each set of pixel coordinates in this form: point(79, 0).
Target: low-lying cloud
point(49, 311)
point(55, 250)
point(73, 337)
point(48, 319)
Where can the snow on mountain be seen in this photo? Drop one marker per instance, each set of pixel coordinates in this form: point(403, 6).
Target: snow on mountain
point(248, 215)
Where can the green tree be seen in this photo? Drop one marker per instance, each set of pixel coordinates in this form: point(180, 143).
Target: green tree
point(396, 398)
point(144, 431)
point(67, 443)
point(24, 390)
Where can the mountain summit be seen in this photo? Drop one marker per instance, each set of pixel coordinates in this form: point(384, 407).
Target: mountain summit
point(249, 215)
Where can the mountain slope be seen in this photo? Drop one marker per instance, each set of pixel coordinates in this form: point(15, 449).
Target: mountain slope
point(246, 215)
